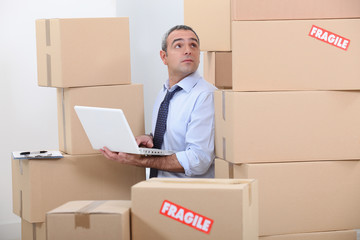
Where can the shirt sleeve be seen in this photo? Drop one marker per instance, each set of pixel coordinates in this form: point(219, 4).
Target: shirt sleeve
point(199, 153)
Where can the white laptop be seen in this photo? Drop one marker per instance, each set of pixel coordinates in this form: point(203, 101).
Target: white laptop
point(108, 127)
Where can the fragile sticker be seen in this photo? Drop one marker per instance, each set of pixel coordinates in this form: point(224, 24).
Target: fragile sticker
point(186, 216)
point(329, 37)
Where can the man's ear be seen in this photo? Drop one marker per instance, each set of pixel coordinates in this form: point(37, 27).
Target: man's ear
point(163, 56)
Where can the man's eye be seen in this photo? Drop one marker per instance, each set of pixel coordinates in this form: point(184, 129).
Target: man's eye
point(177, 46)
point(194, 45)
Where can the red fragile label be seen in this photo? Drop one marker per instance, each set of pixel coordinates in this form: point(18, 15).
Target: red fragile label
point(329, 37)
point(186, 216)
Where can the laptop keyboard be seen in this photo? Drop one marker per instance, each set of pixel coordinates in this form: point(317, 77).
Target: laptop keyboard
point(152, 151)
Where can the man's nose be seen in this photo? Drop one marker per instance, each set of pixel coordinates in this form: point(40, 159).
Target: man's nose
point(188, 50)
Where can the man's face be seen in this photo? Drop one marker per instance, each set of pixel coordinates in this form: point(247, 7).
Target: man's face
point(183, 53)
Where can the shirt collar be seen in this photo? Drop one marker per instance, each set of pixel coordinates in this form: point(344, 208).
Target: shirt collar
point(186, 83)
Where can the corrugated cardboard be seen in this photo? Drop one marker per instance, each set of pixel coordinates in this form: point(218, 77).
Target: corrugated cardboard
point(211, 21)
point(333, 235)
point(33, 231)
point(232, 205)
point(72, 136)
point(281, 55)
point(224, 169)
point(42, 185)
point(89, 220)
point(218, 68)
point(302, 197)
point(287, 126)
point(83, 52)
point(294, 9)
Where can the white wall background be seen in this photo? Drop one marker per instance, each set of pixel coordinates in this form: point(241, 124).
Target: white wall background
point(28, 112)
point(149, 20)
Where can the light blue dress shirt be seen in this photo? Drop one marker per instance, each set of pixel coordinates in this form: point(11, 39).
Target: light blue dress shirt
point(190, 126)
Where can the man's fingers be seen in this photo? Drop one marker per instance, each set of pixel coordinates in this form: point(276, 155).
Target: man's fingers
point(144, 141)
point(104, 154)
point(150, 144)
point(108, 154)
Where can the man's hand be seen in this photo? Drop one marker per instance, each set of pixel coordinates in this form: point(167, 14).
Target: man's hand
point(125, 158)
point(166, 163)
point(144, 141)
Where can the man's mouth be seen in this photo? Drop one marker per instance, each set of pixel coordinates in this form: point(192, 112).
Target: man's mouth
point(187, 60)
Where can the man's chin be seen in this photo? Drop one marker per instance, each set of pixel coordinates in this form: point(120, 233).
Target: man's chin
point(189, 69)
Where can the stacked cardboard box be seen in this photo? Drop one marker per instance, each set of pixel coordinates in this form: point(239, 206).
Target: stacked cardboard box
point(212, 20)
point(32, 231)
point(72, 136)
point(90, 220)
point(302, 197)
point(88, 61)
point(290, 118)
point(333, 235)
point(82, 220)
point(83, 52)
point(195, 209)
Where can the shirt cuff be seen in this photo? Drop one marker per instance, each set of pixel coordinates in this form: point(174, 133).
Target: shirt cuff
point(183, 160)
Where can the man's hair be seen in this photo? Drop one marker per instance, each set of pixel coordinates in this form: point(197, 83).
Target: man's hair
point(177, 27)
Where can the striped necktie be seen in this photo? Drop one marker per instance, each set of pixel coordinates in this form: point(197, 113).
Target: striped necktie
point(160, 127)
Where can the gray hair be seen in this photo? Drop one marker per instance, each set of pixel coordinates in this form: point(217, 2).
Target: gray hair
point(177, 27)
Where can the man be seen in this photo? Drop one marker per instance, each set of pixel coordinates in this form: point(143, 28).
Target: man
point(189, 119)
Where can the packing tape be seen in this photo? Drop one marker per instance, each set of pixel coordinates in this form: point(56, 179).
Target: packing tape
point(231, 170)
point(48, 56)
point(48, 69)
point(82, 216)
point(223, 104)
point(82, 220)
point(223, 115)
point(224, 148)
point(63, 116)
point(34, 230)
point(231, 176)
point(47, 31)
point(21, 204)
point(21, 166)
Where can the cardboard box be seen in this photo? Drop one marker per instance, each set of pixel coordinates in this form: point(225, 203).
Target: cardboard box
point(42, 185)
point(33, 231)
point(89, 220)
point(72, 136)
point(218, 68)
point(211, 21)
point(295, 9)
point(302, 197)
point(287, 126)
point(83, 52)
point(333, 235)
point(194, 209)
point(294, 55)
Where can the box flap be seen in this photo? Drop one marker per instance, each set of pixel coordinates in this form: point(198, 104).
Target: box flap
point(202, 180)
point(93, 207)
point(208, 182)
